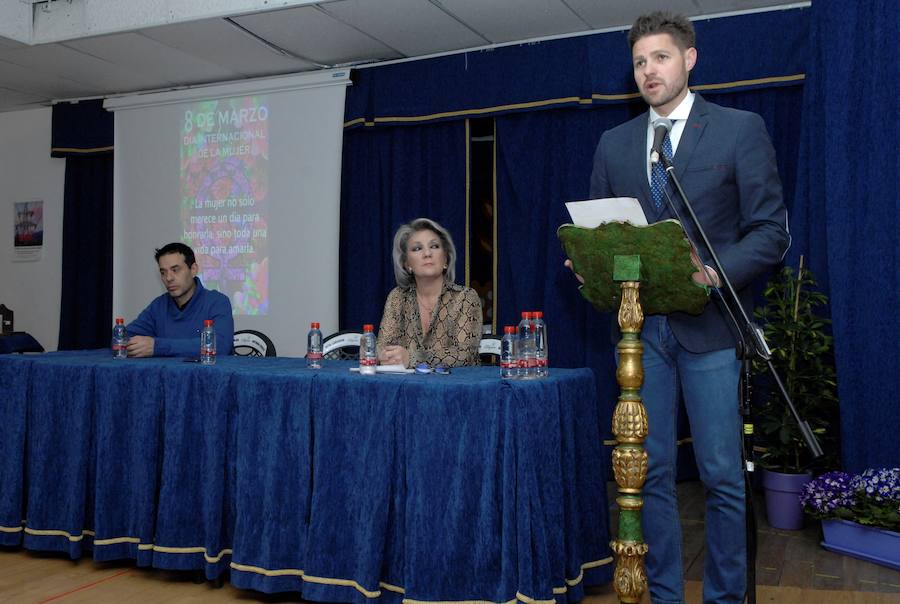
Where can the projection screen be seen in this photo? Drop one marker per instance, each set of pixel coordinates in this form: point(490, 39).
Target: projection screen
point(247, 174)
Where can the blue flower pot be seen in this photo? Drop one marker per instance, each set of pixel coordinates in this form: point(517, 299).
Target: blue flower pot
point(869, 543)
point(783, 509)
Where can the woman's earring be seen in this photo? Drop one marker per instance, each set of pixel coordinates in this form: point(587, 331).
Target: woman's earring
point(445, 267)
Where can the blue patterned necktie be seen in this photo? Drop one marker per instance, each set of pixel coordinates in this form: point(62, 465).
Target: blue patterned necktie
point(659, 178)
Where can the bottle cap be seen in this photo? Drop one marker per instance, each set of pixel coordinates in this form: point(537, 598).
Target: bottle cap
point(207, 322)
point(537, 314)
point(314, 325)
point(509, 329)
point(368, 327)
point(120, 321)
point(526, 314)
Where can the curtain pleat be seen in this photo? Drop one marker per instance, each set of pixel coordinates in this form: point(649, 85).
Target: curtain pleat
point(847, 213)
point(391, 176)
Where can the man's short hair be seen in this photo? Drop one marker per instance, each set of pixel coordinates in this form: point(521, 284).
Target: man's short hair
point(661, 22)
point(177, 248)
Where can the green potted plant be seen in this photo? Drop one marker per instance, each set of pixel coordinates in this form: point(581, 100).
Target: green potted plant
point(802, 354)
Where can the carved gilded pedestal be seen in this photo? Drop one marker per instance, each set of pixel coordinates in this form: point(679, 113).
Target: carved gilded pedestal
point(629, 460)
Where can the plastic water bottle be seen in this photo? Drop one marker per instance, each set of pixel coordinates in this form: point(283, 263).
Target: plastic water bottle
point(509, 362)
point(367, 356)
point(314, 347)
point(119, 340)
point(540, 344)
point(208, 343)
point(527, 360)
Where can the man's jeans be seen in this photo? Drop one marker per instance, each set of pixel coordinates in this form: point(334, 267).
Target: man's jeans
point(709, 382)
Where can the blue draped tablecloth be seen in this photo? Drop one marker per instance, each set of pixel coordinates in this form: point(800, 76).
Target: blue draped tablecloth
point(342, 487)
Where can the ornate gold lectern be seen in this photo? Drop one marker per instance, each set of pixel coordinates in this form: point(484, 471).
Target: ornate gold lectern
point(637, 270)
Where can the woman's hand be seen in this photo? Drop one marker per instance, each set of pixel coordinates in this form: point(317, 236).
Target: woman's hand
point(394, 355)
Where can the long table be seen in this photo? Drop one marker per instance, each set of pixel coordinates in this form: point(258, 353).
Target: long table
point(346, 488)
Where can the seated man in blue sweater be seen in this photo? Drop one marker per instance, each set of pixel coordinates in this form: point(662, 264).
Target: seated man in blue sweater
point(170, 326)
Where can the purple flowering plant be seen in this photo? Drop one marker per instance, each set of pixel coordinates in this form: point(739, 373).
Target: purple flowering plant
point(871, 498)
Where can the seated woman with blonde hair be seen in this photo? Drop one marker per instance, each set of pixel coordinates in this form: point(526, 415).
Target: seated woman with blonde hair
point(428, 318)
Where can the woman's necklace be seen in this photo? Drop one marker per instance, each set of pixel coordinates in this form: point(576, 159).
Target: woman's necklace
point(422, 304)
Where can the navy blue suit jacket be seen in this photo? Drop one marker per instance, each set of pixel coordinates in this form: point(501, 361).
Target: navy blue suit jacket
point(726, 165)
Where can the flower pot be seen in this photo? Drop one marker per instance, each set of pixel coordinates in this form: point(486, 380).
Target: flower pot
point(783, 509)
point(869, 543)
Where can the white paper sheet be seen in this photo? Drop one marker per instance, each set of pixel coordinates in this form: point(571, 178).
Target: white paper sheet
point(388, 369)
point(592, 213)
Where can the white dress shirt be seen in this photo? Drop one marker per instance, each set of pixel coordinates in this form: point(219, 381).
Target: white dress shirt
point(679, 116)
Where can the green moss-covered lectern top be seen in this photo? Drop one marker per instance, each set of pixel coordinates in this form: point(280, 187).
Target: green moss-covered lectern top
point(665, 266)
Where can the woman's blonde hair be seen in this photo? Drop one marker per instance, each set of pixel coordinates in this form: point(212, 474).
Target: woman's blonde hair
point(401, 239)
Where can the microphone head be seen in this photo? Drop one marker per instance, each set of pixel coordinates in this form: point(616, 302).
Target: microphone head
point(661, 127)
point(664, 122)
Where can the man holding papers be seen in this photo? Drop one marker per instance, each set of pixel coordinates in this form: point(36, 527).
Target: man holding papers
point(726, 164)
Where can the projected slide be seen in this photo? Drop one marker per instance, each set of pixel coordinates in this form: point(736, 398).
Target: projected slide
point(224, 190)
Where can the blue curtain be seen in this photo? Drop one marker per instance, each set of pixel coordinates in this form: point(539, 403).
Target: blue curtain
point(86, 304)
point(391, 176)
point(848, 212)
point(83, 134)
point(543, 160)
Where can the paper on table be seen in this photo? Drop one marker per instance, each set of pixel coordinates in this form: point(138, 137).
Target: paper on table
point(388, 369)
point(594, 212)
point(392, 369)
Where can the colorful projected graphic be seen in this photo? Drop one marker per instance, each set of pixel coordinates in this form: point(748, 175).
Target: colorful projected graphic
point(224, 197)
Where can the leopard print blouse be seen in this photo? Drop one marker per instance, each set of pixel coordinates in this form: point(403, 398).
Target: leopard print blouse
point(454, 333)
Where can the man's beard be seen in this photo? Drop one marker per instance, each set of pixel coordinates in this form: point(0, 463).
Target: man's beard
point(681, 86)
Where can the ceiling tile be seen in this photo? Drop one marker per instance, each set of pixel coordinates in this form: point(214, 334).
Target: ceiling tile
point(519, 20)
point(167, 65)
point(73, 64)
point(39, 83)
point(310, 33)
point(220, 42)
point(413, 27)
point(14, 100)
point(622, 13)
point(7, 43)
point(711, 7)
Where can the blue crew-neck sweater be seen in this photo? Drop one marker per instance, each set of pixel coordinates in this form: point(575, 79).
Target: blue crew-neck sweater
point(176, 333)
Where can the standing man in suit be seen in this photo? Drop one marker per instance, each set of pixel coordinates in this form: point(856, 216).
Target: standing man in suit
point(726, 164)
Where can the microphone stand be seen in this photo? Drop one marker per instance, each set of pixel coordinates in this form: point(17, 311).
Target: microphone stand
point(750, 343)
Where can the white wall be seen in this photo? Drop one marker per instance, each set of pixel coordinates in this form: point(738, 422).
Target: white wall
point(27, 172)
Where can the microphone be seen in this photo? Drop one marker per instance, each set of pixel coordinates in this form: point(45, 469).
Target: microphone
point(661, 127)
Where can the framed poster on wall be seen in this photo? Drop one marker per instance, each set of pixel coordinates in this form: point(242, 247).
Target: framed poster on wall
point(28, 238)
